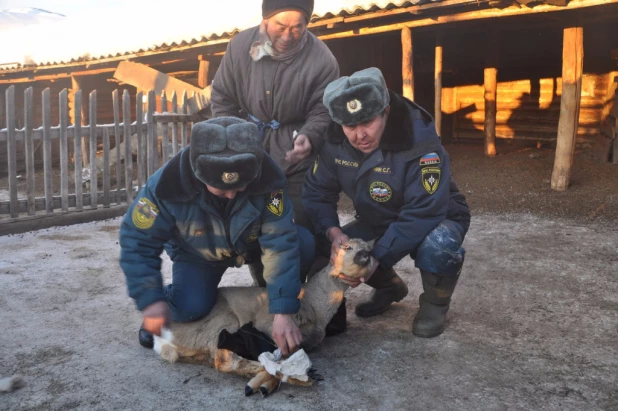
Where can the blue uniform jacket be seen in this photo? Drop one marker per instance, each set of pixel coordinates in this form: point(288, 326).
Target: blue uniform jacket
point(175, 210)
point(403, 189)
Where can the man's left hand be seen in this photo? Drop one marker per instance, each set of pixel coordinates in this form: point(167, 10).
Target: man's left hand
point(286, 334)
point(301, 151)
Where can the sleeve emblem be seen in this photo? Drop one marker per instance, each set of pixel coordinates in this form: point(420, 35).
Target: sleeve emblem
point(144, 214)
point(430, 159)
point(431, 179)
point(275, 205)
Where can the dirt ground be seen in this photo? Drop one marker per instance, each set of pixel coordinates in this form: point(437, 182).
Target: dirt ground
point(533, 323)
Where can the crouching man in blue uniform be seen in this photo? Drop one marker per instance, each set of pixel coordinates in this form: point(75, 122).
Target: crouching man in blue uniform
point(217, 204)
point(383, 152)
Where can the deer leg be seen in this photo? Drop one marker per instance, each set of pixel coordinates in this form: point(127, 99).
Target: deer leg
point(228, 361)
point(256, 382)
point(269, 386)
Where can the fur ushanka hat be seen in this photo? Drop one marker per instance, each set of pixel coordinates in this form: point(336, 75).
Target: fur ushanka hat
point(357, 98)
point(226, 152)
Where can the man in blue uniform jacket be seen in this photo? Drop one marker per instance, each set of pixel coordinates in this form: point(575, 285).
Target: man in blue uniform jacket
point(218, 203)
point(383, 152)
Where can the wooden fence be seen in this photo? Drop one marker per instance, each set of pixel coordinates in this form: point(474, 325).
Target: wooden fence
point(101, 176)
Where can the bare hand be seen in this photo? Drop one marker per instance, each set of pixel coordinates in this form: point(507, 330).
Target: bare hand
point(337, 239)
point(302, 149)
point(286, 334)
point(156, 316)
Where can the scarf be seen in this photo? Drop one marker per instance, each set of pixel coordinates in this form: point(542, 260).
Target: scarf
point(264, 46)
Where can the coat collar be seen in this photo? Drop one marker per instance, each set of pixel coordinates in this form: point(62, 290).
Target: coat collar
point(179, 184)
point(399, 130)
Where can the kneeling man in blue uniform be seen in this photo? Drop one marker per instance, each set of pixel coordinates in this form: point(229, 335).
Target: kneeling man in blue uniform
point(383, 152)
point(219, 203)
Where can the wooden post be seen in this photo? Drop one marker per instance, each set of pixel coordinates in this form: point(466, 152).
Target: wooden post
point(407, 63)
point(74, 115)
point(572, 69)
point(77, 144)
point(128, 153)
point(64, 151)
point(202, 75)
point(438, 88)
point(29, 149)
point(141, 151)
point(11, 150)
point(117, 140)
point(47, 147)
point(92, 119)
point(491, 92)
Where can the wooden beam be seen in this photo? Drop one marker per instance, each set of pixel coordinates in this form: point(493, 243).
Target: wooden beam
point(202, 76)
point(407, 63)
point(572, 69)
point(438, 88)
point(491, 90)
point(52, 77)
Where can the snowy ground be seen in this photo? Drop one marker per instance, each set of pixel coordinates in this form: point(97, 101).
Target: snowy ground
point(533, 325)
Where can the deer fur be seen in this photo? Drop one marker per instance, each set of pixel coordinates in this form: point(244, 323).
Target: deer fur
point(320, 298)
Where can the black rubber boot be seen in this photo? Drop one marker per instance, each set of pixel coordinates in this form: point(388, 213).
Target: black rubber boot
point(338, 323)
point(257, 273)
point(389, 288)
point(146, 339)
point(434, 302)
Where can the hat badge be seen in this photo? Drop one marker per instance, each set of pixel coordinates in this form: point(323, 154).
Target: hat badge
point(354, 106)
point(230, 178)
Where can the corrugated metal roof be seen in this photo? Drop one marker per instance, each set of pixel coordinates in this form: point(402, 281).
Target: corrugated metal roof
point(119, 32)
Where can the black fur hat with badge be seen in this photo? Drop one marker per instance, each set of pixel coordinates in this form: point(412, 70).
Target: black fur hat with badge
point(357, 98)
point(226, 152)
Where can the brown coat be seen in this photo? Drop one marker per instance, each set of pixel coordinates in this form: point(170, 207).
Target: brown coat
point(287, 91)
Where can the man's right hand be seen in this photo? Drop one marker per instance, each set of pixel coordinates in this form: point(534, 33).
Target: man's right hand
point(156, 316)
point(337, 239)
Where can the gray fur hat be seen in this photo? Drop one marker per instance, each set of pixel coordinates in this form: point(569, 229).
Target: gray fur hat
point(226, 152)
point(357, 98)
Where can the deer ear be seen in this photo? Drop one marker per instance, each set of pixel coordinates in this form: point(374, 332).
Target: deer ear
point(371, 243)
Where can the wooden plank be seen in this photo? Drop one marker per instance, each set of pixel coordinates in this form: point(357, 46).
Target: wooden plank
point(76, 86)
point(146, 78)
point(47, 150)
point(407, 63)
point(151, 137)
point(490, 83)
point(29, 149)
point(77, 144)
point(64, 149)
point(11, 149)
point(185, 129)
point(174, 124)
point(165, 156)
point(117, 138)
point(438, 88)
point(40, 202)
point(139, 120)
point(572, 68)
point(40, 222)
point(106, 171)
point(93, 146)
point(128, 153)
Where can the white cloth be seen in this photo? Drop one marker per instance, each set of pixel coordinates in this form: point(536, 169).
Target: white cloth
point(295, 366)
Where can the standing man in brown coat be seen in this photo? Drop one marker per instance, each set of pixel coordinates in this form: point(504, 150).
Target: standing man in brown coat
point(275, 74)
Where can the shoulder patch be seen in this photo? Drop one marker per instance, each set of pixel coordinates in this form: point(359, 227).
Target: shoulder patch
point(275, 205)
point(430, 159)
point(431, 179)
point(144, 214)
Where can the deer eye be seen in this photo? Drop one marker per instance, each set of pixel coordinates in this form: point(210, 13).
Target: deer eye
point(345, 247)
